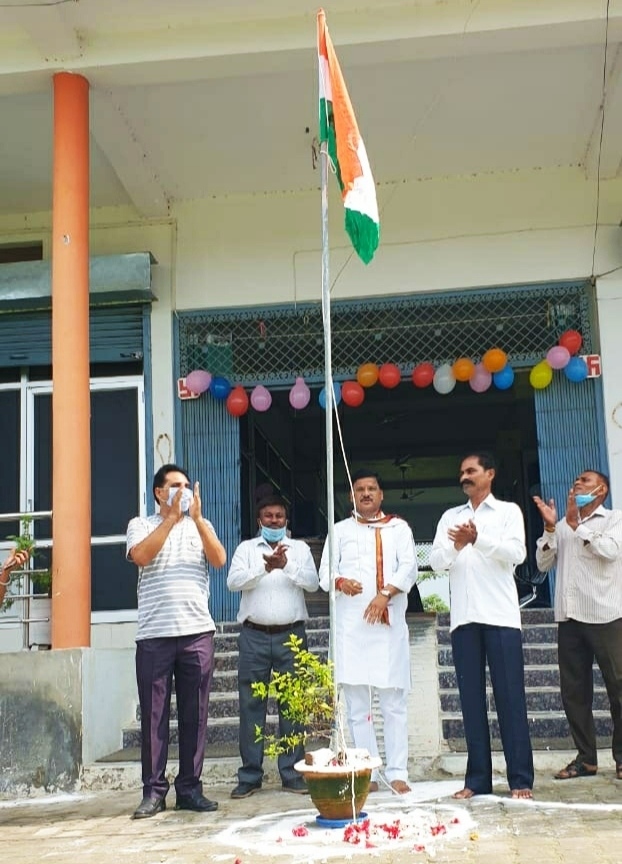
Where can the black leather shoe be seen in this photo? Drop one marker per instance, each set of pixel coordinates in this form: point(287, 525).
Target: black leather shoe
point(149, 807)
point(197, 802)
point(244, 790)
point(297, 786)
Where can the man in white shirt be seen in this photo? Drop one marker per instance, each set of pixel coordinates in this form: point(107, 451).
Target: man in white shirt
point(374, 568)
point(586, 548)
point(480, 543)
point(272, 571)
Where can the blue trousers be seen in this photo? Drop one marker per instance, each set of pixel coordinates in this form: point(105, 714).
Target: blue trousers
point(191, 660)
point(473, 645)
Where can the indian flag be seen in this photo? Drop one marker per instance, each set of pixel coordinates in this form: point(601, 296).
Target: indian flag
point(339, 128)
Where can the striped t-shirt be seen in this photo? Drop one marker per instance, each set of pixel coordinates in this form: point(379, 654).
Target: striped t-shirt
point(173, 590)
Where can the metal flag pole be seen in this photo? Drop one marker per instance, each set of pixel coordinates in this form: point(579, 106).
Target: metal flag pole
point(328, 390)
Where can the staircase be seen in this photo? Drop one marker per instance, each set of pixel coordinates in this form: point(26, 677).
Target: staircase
point(547, 721)
point(222, 725)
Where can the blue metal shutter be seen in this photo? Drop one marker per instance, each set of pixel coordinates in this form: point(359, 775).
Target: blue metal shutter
point(115, 332)
point(211, 444)
point(571, 437)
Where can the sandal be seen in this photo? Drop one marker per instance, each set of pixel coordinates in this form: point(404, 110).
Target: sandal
point(618, 770)
point(576, 769)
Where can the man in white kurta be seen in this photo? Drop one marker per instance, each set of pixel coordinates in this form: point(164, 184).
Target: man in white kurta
point(374, 568)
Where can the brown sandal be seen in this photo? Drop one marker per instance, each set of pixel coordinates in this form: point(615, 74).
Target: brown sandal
point(576, 769)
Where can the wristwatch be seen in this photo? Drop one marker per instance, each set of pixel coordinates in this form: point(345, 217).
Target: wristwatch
point(385, 593)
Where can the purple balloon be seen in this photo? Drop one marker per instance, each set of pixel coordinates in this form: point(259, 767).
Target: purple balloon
point(198, 381)
point(299, 395)
point(261, 399)
point(557, 357)
point(481, 379)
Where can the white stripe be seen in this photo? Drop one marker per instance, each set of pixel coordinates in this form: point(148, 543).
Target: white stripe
point(326, 90)
point(362, 197)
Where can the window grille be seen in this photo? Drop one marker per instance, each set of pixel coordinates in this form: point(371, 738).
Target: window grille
point(273, 345)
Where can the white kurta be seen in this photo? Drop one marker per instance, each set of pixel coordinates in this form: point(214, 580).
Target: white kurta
point(376, 655)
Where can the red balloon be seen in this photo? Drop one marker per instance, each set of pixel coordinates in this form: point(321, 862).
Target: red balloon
point(572, 340)
point(237, 401)
point(389, 375)
point(352, 393)
point(423, 375)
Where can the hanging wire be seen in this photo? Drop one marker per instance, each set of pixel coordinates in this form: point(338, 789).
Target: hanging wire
point(600, 139)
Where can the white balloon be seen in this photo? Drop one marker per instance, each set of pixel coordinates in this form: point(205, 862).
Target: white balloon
point(444, 380)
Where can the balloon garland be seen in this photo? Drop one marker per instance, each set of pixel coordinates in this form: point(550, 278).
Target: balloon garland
point(494, 370)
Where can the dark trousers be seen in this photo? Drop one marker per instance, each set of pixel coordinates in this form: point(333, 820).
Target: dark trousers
point(191, 660)
point(259, 654)
point(472, 646)
point(578, 645)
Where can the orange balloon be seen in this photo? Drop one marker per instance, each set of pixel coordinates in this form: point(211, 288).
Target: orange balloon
point(367, 374)
point(494, 360)
point(463, 369)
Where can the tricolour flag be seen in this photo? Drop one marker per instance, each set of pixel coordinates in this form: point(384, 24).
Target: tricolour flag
point(339, 128)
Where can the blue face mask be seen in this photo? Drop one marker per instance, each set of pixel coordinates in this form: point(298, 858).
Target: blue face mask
point(186, 498)
point(587, 498)
point(272, 535)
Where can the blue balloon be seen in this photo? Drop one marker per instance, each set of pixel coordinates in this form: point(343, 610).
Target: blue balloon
point(220, 387)
point(336, 395)
point(576, 369)
point(503, 379)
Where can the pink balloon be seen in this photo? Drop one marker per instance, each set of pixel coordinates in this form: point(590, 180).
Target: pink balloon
point(261, 399)
point(198, 381)
point(557, 357)
point(299, 395)
point(481, 379)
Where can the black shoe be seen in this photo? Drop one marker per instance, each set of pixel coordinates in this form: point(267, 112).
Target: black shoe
point(197, 802)
point(297, 786)
point(149, 807)
point(244, 790)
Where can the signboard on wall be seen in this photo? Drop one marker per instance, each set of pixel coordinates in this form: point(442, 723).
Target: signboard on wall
point(594, 365)
point(183, 392)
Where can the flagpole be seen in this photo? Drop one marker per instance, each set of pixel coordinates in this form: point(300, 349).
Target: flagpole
point(328, 390)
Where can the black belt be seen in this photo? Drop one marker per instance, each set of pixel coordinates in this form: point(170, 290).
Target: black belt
point(272, 628)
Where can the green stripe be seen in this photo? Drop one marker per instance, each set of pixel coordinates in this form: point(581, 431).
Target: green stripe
point(327, 133)
point(364, 234)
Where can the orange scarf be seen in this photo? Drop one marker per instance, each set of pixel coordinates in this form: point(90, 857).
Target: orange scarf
point(379, 560)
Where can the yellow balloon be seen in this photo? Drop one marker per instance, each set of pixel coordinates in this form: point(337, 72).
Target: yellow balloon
point(541, 375)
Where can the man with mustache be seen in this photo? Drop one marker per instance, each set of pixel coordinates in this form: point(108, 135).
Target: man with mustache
point(586, 548)
point(480, 543)
point(374, 567)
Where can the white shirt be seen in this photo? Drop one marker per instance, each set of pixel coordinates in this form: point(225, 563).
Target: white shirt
point(481, 575)
point(276, 597)
point(588, 578)
point(371, 654)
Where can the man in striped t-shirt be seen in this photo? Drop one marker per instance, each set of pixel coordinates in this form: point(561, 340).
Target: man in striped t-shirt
point(586, 549)
point(175, 636)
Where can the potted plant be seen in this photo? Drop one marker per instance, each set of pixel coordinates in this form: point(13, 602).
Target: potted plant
point(41, 584)
point(338, 778)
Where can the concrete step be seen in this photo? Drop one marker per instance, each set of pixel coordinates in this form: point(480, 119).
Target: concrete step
point(539, 699)
point(532, 634)
point(548, 730)
point(535, 676)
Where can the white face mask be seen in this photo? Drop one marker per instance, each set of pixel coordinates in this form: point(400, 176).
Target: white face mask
point(186, 498)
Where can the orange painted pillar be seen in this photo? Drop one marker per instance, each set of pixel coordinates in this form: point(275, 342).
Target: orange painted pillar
point(71, 444)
